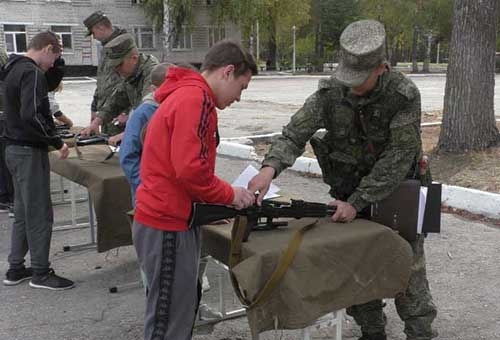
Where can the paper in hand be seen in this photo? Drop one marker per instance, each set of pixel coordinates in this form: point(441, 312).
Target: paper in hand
point(245, 177)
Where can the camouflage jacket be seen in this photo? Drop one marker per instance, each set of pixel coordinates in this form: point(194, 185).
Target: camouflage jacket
point(371, 145)
point(128, 93)
point(107, 78)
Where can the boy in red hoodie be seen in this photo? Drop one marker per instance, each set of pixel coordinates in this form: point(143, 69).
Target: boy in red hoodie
point(177, 169)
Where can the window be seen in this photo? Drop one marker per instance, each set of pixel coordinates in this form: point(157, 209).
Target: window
point(215, 34)
point(136, 2)
point(182, 40)
point(144, 37)
point(66, 36)
point(15, 38)
point(209, 2)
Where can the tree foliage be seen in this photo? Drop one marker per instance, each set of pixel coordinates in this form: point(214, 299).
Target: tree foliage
point(180, 12)
point(275, 18)
point(169, 20)
point(317, 21)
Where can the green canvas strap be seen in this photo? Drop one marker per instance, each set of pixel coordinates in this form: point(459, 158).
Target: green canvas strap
point(286, 259)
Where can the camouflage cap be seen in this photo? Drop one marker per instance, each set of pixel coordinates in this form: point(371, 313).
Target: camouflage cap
point(93, 19)
point(362, 49)
point(117, 49)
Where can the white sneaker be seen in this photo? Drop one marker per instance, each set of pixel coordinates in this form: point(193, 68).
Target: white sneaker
point(205, 313)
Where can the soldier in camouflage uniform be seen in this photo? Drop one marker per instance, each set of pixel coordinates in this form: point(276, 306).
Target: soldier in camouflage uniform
point(134, 69)
point(100, 27)
point(372, 143)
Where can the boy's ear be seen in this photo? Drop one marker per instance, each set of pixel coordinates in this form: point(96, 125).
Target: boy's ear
point(228, 69)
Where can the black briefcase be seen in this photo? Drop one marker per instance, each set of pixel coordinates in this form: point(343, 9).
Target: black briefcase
point(400, 210)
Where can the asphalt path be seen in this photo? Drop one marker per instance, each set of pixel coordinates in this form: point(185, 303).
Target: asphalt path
point(265, 106)
point(462, 265)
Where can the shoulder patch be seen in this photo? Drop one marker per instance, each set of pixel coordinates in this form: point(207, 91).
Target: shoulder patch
point(328, 83)
point(324, 83)
point(408, 89)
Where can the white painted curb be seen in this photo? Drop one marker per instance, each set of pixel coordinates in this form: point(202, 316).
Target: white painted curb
point(472, 200)
point(476, 201)
point(236, 150)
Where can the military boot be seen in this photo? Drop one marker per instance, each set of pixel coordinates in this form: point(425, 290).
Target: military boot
point(375, 336)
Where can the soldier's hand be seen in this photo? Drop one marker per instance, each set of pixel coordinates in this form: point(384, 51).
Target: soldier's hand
point(121, 119)
point(87, 131)
point(261, 182)
point(242, 198)
point(64, 151)
point(93, 114)
point(345, 211)
point(115, 140)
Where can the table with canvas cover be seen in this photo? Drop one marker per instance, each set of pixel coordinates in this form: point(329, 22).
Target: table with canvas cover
point(108, 189)
point(336, 265)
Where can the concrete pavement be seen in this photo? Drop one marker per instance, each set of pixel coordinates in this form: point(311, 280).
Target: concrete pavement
point(462, 266)
point(462, 260)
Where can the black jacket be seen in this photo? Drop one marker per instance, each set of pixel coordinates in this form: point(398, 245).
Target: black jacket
point(26, 105)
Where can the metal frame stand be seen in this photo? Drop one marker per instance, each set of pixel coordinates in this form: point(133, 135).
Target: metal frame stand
point(73, 201)
point(62, 192)
point(226, 315)
point(92, 243)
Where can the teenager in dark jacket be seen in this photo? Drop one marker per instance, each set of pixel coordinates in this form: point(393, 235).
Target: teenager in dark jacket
point(29, 132)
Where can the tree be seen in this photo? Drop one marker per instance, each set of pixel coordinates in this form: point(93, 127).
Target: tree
point(397, 17)
point(275, 17)
point(434, 19)
point(328, 20)
point(468, 116)
point(168, 17)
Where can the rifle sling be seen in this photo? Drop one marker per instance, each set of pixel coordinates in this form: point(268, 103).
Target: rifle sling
point(237, 234)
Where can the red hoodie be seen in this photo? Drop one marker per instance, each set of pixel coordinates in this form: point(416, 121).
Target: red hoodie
point(178, 158)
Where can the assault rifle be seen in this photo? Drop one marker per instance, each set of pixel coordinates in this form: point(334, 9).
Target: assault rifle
point(399, 211)
point(95, 140)
point(91, 140)
point(259, 217)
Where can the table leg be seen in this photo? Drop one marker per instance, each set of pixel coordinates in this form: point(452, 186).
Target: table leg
point(92, 243)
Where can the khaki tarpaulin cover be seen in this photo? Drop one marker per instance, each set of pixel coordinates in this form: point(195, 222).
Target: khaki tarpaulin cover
point(336, 266)
point(108, 188)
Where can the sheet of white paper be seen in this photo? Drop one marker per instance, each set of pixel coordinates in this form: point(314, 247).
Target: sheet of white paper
point(421, 208)
point(245, 177)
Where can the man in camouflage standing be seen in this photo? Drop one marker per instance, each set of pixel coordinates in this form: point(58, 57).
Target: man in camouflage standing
point(100, 27)
point(134, 69)
point(372, 143)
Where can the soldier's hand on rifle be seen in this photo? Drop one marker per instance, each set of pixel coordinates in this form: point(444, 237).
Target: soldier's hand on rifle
point(242, 198)
point(92, 128)
point(121, 119)
point(116, 139)
point(345, 211)
point(261, 182)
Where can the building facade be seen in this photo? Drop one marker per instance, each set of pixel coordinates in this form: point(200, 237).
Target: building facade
point(22, 19)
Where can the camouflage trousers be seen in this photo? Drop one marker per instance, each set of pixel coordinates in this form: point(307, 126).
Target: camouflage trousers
point(415, 306)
